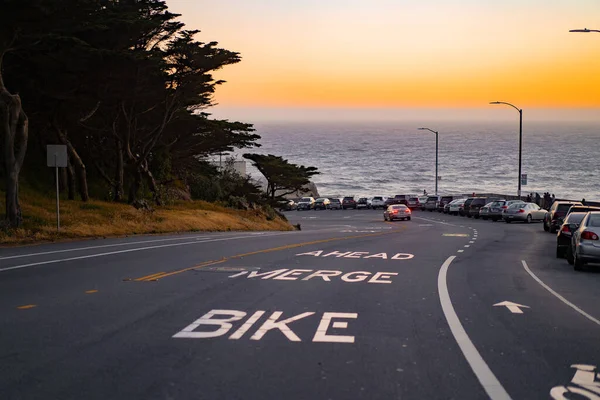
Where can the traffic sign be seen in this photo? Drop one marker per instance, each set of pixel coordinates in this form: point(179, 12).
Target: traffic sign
point(523, 179)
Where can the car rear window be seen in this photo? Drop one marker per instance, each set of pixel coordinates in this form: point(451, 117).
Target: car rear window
point(478, 202)
point(563, 207)
point(575, 218)
point(377, 198)
point(413, 199)
point(399, 207)
point(594, 220)
point(447, 198)
point(516, 205)
point(497, 203)
point(432, 199)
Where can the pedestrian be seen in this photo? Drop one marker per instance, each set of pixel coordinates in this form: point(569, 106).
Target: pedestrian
point(529, 198)
point(553, 199)
point(583, 201)
point(538, 199)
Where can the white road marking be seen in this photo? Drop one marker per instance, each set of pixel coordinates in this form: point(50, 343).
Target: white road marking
point(471, 242)
point(567, 302)
point(482, 371)
point(123, 251)
point(467, 245)
point(461, 251)
point(514, 308)
point(357, 255)
point(321, 334)
point(102, 246)
point(431, 220)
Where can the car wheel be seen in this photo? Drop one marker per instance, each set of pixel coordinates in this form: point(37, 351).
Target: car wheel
point(408, 219)
point(528, 219)
point(559, 253)
point(476, 216)
point(484, 218)
point(552, 230)
point(546, 227)
point(569, 255)
point(507, 221)
point(577, 263)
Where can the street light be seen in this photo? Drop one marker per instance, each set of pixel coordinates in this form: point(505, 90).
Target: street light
point(436, 156)
point(585, 30)
point(520, 138)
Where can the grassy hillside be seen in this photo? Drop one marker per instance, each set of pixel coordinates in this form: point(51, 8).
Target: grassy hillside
point(102, 219)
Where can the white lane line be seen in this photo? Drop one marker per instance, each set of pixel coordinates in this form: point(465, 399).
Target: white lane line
point(467, 245)
point(103, 246)
point(567, 302)
point(471, 242)
point(484, 374)
point(125, 251)
point(437, 222)
point(461, 251)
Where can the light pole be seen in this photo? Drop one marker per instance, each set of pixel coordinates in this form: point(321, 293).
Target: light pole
point(520, 139)
point(584, 30)
point(436, 156)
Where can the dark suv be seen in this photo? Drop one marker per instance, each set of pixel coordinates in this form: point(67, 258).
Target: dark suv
point(477, 203)
point(466, 206)
point(348, 202)
point(554, 216)
point(443, 201)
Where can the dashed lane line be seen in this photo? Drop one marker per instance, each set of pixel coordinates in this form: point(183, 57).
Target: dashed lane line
point(484, 374)
point(567, 302)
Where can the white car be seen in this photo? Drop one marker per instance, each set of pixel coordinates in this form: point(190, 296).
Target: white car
point(378, 202)
point(306, 203)
point(455, 206)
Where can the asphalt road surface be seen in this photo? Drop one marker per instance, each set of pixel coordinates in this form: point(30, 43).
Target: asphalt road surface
point(350, 307)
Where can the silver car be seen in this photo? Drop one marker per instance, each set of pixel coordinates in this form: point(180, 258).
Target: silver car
point(497, 208)
point(525, 212)
point(585, 242)
point(397, 211)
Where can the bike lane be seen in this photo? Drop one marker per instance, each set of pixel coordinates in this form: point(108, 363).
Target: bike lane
point(527, 336)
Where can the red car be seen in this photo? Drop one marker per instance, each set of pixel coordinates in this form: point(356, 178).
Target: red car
point(348, 202)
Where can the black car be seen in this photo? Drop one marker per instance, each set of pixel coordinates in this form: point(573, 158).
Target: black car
point(443, 202)
point(554, 216)
point(363, 202)
point(348, 202)
point(563, 238)
point(465, 210)
point(476, 205)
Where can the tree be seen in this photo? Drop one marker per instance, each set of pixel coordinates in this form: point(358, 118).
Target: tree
point(282, 177)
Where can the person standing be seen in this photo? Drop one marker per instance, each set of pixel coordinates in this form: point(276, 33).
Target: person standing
point(528, 198)
point(538, 199)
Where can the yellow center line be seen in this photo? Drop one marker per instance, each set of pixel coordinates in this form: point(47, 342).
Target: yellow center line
point(161, 275)
point(91, 291)
point(27, 307)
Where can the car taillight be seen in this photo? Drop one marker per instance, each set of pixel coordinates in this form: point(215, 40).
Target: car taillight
point(504, 207)
point(588, 235)
point(407, 211)
point(565, 228)
point(521, 211)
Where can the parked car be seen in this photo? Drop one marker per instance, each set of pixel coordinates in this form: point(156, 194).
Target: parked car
point(322, 203)
point(525, 212)
point(582, 208)
point(455, 206)
point(348, 202)
point(447, 206)
point(413, 203)
point(565, 233)
point(397, 211)
point(287, 205)
point(554, 216)
point(465, 211)
point(378, 202)
point(422, 201)
point(585, 244)
point(432, 203)
point(363, 202)
point(335, 203)
point(497, 208)
point(443, 201)
point(306, 203)
point(476, 205)
point(484, 211)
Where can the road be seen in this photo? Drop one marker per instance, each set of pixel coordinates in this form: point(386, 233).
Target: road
point(350, 307)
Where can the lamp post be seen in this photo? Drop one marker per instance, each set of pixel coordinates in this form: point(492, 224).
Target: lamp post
point(520, 139)
point(436, 156)
point(584, 30)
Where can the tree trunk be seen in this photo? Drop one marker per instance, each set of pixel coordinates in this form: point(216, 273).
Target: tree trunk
point(134, 187)
point(119, 173)
point(14, 129)
point(70, 180)
point(151, 183)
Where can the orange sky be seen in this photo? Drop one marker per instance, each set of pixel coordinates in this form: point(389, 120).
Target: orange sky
point(381, 53)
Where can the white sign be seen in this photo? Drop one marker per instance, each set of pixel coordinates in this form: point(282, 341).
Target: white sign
point(221, 322)
point(326, 275)
point(357, 254)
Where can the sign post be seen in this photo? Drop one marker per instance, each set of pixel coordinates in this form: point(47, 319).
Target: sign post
point(524, 179)
point(56, 156)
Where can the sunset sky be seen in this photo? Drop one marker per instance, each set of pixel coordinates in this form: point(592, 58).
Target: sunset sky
point(395, 54)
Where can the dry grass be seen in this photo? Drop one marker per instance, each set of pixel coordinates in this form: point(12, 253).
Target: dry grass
point(102, 219)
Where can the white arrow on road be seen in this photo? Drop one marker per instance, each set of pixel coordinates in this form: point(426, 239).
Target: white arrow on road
point(513, 307)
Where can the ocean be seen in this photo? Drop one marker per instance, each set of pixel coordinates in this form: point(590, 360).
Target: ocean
point(385, 158)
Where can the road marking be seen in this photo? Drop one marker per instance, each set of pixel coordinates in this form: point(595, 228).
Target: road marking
point(123, 251)
point(461, 251)
point(358, 254)
point(567, 302)
point(437, 222)
point(455, 234)
point(482, 371)
point(471, 242)
point(286, 247)
point(27, 306)
point(467, 245)
point(102, 246)
point(295, 275)
point(514, 308)
point(91, 291)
